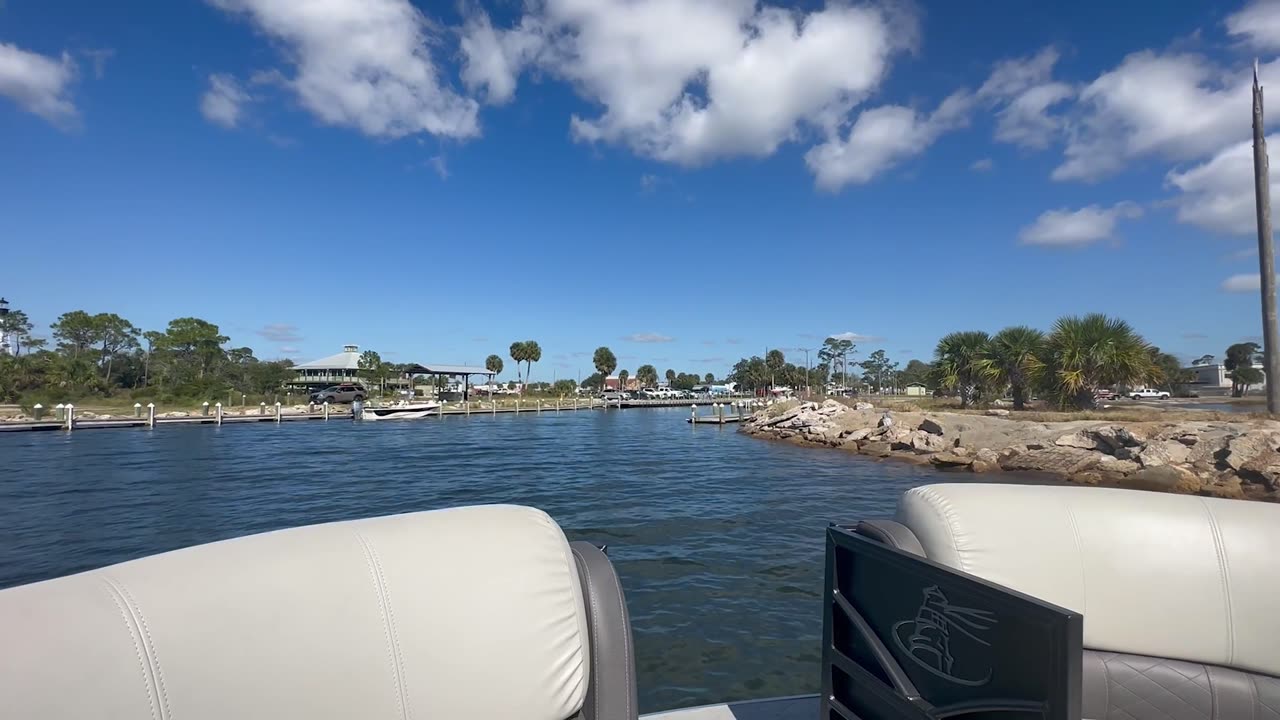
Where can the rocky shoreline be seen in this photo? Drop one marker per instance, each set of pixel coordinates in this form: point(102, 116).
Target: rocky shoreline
point(1230, 459)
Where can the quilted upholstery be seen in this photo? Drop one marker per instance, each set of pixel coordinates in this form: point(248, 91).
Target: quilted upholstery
point(1136, 687)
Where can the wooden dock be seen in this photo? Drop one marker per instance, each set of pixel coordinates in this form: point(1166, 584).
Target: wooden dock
point(714, 419)
point(731, 414)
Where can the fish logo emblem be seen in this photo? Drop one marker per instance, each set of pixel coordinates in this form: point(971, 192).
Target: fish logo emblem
point(926, 638)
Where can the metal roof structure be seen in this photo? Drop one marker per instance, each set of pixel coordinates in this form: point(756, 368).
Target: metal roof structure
point(348, 359)
point(448, 370)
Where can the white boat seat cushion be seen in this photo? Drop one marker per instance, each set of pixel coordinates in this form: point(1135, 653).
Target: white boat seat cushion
point(1167, 576)
point(461, 613)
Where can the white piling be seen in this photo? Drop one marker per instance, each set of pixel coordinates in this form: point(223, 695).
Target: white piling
point(204, 409)
point(326, 409)
point(693, 413)
point(262, 408)
point(38, 411)
point(60, 412)
point(539, 406)
point(151, 414)
point(137, 410)
point(217, 409)
point(277, 411)
point(71, 416)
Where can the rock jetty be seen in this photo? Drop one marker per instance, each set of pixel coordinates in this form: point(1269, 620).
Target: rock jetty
point(1236, 459)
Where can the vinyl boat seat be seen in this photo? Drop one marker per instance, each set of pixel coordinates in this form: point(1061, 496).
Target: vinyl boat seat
point(477, 612)
point(1180, 594)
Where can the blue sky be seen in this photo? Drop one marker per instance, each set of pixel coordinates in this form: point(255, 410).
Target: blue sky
point(686, 181)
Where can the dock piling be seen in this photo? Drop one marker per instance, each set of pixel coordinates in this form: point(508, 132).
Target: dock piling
point(71, 417)
point(137, 410)
point(326, 409)
point(37, 411)
point(151, 415)
point(204, 409)
point(59, 412)
point(218, 412)
point(277, 411)
point(262, 408)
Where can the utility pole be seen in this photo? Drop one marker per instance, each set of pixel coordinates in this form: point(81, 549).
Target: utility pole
point(1266, 251)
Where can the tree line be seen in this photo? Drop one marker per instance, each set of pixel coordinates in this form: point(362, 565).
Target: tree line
point(104, 354)
point(1067, 366)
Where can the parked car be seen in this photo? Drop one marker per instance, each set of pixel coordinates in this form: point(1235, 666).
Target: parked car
point(1148, 394)
point(1105, 394)
point(344, 393)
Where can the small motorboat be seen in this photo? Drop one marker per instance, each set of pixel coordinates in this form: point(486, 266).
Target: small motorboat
point(400, 411)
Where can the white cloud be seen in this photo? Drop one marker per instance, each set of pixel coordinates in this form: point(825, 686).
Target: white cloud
point(982, 165)
point(649, 182)
point(1025, 93)
point(1258, 24)
point(280, 333)
point(881, 138)
point(223, 103)
point(855, 337)
point(1076, 228)
point(648, 338)
point(440, 165)
point(689, 81)
point(1217, 195)
point(38, 84)
point(1244, 282)
point(1172, 106)
point(363, 64)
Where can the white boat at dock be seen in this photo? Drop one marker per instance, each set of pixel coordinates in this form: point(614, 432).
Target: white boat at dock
point(400, 411)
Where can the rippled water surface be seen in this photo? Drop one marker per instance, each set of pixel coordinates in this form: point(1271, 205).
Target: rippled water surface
point(718, 537)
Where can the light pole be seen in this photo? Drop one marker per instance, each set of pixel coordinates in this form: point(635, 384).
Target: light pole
point(807, 391)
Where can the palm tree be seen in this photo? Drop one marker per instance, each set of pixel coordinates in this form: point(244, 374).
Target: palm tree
point(532, 354)
point(959, 360)
point(518, 353)
point(493, 364)
point(1013, 359)
point(1084, 353)
point(671, 377)
point(622, 379)
point(647, 375)
point(605, 363)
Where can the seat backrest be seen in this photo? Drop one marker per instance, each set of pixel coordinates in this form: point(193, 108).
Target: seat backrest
point(468, 612)
point(1172, 576)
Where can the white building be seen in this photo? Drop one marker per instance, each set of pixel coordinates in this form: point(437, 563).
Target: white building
point(340, 368)
point(1215, 375)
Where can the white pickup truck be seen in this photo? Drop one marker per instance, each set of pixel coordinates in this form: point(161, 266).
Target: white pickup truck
point(1148, 394)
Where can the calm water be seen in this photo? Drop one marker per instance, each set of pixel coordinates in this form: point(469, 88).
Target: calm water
point(718, 537)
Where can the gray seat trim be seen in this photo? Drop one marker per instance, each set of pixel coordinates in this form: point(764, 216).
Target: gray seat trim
point(611, 688)
point(891, 533)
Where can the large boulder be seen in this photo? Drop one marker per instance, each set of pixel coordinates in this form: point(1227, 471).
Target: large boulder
point(858, 435)
point(1082, 439)
point(1116, 437)
point(986, 455)
point(1243, 449)
point(1163, 452)
point(1164, 478)
point(1058, 460)
point(924, 443)
point(932, 426)
point(951, 461)
point(875, 449)
point(1227, 487)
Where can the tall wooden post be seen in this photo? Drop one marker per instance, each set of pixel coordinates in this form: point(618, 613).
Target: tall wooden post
point(1266, 251)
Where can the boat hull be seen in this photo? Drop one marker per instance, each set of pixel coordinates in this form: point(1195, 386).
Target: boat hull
point(416, 411)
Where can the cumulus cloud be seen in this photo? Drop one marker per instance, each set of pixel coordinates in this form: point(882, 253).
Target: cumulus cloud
point(648, 338)
point(1244, 282)
point(881, 138)
point(1026, 95)
point(689, 81)
point(1171, 106)
point(280, 333)
point(38, 83)
point(1217, 195)
point(855, 337)
point(1257, 24)
point(363, 64)
point(1076, 228)
point(223, 103)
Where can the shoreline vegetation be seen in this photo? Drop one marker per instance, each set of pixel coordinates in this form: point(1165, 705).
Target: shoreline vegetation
point(1194, 452)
